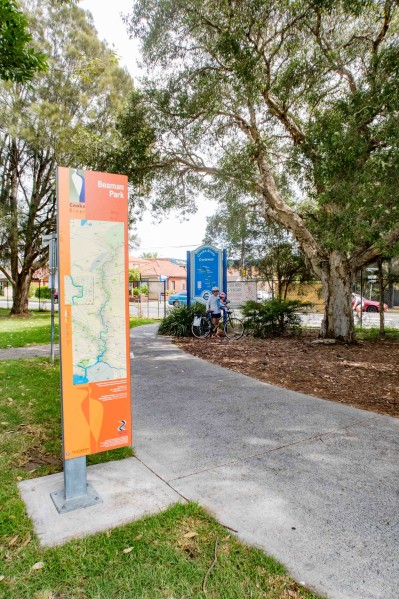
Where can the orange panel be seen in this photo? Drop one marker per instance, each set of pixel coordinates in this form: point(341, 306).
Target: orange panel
point(94, 311)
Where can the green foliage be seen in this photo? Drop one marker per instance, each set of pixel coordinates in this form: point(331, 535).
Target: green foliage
point(178, 322)
point(144, 289)
point(374, 334)
point(130, 148)
point(67, 118)
point(263, 247)
point(134, 275)
point(19, 61)
point(273, 317)
point(136, 291)
point(43, 292)
point(240, 92)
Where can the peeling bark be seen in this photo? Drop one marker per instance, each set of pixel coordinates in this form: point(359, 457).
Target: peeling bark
point(336, 284)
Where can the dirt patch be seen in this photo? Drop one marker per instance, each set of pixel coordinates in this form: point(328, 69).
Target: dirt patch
point(363, 375)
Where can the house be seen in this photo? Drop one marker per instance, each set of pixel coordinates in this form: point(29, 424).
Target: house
point(40, 278)
point(161, 269)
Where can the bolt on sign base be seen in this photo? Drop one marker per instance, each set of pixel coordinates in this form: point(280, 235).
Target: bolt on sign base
point(75, 503)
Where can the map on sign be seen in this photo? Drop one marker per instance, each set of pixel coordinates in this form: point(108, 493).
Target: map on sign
point(95, 290)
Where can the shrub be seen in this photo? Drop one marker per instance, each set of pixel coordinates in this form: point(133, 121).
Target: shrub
point(274, 317)
point(144, 289)
point(136, 291)
point(43, 292)
point(178, 322)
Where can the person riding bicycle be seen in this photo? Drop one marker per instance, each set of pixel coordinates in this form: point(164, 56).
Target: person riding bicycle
point(213, 305)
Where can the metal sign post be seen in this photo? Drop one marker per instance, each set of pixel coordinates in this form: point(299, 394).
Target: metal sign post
point(93, 307)
point(51, 241)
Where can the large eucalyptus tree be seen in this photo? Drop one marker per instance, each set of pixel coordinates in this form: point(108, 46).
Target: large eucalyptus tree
point(245, 93)
point(66, 117)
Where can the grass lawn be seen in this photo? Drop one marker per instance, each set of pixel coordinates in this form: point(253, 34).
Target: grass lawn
point(35, 328)
point(135, 321)
point(164, 556)
point(26, 330)
point(374, 333)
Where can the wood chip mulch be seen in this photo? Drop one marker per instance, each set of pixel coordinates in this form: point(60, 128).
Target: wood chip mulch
point(364, 375)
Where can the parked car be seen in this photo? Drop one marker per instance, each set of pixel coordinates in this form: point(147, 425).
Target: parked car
point(369, 305)
point(178, 298)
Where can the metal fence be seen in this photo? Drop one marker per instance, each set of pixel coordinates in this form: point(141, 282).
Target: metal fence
point(152, 304)
point(239, 292)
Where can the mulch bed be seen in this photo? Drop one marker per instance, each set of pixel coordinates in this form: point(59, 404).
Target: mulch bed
point(364, 375)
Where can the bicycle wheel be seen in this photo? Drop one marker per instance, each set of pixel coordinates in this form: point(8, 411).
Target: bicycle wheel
point(203, 329)
point(234, 328)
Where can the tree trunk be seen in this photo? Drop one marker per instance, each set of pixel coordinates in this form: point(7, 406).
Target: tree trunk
point(336, 284)
point(391, 289)
point(21, 293)
point(381, 297)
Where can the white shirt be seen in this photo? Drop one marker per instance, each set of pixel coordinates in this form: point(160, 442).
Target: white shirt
point(213, 304)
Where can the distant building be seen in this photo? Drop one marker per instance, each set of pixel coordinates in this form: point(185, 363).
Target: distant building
point(160, 269)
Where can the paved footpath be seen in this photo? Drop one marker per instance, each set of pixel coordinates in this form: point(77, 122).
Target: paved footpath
point(29, 351)
point(312, 482)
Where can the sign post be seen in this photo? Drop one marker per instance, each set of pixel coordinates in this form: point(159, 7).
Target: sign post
point(51, 241)
point(94, 324)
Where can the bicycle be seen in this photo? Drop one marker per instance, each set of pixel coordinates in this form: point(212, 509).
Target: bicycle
point(232, 327)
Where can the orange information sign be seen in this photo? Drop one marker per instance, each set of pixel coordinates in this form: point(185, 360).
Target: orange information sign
point(94, 311)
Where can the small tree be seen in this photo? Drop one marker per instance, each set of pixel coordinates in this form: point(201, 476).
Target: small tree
point(134, 275)
point(178, 322)
point(149, 255)
point(274, 317)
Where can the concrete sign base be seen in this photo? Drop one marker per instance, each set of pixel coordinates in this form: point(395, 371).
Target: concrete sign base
point(128, 491)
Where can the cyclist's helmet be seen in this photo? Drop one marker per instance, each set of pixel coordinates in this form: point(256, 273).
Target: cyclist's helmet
point(215, 288)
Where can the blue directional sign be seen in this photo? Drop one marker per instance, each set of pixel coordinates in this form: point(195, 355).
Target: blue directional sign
point(206, 270)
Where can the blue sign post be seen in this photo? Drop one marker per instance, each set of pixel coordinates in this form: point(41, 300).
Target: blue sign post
point(206, 268)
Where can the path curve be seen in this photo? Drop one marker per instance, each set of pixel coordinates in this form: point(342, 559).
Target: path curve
point(312, 482)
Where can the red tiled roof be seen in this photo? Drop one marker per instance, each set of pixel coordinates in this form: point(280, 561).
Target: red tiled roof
point(155, 267)
point(41, 273)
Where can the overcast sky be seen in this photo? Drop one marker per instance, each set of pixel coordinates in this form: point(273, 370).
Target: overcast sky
point(170, 238)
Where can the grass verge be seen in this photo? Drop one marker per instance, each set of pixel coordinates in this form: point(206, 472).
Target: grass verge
point(163, 556)
point(36, 328)
point(374, 334)
point(26, 330)
point(135, 321)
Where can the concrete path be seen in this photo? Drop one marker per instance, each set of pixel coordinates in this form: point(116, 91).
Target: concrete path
point(29, 351)
point(312, 482)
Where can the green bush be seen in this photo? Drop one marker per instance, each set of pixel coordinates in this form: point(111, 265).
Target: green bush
point(274, 317)
point(178, 322)
point(144, 289)
point(136, 291)
point(43, 292)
